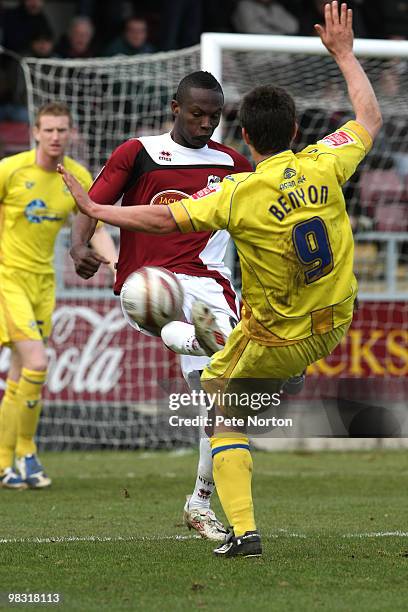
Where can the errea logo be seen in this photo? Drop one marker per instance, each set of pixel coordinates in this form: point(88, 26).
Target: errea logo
point(165, 156)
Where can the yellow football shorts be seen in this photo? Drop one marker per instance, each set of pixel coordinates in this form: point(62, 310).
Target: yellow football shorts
point(27, 301)
point(243, 366)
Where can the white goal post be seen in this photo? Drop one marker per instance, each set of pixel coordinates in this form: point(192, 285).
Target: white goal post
point(214, 44)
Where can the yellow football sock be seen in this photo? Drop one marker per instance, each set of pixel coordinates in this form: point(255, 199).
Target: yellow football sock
point(29, 399)
point(232, 471)
point(8, 424)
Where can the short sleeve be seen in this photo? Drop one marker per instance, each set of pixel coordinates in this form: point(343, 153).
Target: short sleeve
point(110, 184)
point(349, 145)
point(209, 209)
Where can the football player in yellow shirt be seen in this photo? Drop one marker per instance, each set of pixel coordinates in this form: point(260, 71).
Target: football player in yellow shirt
point(34, 206)
point(289, 223)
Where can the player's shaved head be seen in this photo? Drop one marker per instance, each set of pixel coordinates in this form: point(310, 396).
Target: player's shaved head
point(268, 115)
point(197, 80)
point(197, 109)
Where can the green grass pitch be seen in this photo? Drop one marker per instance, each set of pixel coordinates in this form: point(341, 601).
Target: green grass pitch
point(334, 526)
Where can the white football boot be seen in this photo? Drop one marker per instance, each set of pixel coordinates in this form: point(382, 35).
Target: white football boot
point(207, 332)
point(204, 521)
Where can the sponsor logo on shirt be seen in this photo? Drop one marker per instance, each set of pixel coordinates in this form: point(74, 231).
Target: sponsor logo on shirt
point(206, 191)
point(168, 197)
point(37, 212)
point(288, 173)
point(338, 139)
point(165, 156)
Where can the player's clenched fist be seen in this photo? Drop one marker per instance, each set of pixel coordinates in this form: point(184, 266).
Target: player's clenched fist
point(86, 260)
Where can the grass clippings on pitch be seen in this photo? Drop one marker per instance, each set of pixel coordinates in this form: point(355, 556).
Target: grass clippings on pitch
point(108, 535)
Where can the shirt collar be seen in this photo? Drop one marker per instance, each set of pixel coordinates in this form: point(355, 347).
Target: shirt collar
point(285, 152)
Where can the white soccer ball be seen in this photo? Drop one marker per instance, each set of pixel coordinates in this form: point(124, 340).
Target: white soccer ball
point(152, 297)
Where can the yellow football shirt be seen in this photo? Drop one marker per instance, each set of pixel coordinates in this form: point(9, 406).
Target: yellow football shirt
point(289, 223)
point(34, 205)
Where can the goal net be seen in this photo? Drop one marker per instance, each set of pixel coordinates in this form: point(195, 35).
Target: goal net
point(107, 384)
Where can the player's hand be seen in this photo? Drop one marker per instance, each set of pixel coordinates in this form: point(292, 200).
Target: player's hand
point(337, 32)
point(79, 194)
point(86, 260)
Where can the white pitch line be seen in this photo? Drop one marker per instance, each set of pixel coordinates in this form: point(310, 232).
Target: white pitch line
point(281, 534)
point(64, 539)
point(378, 534)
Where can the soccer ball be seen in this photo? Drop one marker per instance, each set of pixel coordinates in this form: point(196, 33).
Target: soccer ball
point(150, 298)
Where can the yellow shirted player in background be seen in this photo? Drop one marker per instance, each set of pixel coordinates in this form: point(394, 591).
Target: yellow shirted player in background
point(289, 223)
point(34, 206)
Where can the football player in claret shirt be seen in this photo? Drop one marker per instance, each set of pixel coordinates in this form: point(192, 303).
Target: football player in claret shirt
point(158, 170)
point(34, 206)
point(289, 222)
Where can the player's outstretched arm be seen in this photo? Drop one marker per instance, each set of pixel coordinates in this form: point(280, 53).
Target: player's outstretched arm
point(337, 36)
point(151, 219)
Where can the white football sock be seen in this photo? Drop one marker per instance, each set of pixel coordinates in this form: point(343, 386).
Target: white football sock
point(180, 338)
point(204, 486)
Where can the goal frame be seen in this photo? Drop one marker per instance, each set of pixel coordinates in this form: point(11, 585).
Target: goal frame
point(214, 43)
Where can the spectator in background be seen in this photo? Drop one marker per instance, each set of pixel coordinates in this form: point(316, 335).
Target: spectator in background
point(313, 12)
point(23, 22)
point(180, 24)
point(263, 17)
point(78, 41)
point(41, 46)
point(132, 41)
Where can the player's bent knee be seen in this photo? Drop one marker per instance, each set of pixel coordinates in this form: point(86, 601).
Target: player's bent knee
point(36, 364)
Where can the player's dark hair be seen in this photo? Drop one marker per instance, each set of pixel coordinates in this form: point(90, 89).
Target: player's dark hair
point(198, 80)
point(268, 114)
point(55, 109)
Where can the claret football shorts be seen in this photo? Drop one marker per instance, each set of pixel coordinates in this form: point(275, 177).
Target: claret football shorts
point(27, 301)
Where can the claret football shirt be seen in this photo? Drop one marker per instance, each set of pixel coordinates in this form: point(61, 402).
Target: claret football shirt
point(156, 170)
